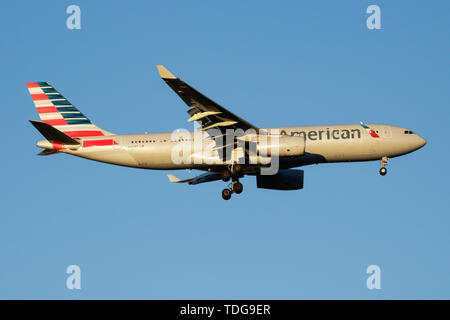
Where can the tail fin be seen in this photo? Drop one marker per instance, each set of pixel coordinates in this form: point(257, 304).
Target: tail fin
point(58, 112)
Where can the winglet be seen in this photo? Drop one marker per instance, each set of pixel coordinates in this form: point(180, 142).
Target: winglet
point(172, 178)
point(164, 73)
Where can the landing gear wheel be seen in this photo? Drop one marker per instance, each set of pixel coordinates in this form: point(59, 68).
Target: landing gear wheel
point(226, 194)
point(226, 175)
point(238, 187)
point(383, 171)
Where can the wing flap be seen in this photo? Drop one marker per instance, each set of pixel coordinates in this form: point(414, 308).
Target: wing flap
point(47, 152)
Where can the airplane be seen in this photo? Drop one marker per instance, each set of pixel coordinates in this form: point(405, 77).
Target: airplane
point(223, 145)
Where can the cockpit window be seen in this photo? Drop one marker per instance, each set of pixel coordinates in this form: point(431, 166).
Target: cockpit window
point(408, 132)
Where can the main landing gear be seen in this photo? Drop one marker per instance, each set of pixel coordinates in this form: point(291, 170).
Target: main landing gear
point(383, 170)
point(234, 186)
point(226, 194)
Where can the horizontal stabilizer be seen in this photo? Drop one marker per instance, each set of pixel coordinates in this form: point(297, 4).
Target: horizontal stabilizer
point(53, 134)
point(47, 152)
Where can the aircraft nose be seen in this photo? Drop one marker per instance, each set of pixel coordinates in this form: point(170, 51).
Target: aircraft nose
point(420, 142)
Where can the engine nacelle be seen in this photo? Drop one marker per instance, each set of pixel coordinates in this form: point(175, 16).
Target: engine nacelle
point(281, 145)
point(287, 179)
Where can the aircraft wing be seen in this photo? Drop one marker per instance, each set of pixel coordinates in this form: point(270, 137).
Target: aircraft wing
point(214, 119)
point(210, 113)
point(205, 177)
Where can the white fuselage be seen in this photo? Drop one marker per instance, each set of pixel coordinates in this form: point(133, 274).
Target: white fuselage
point(334, 143)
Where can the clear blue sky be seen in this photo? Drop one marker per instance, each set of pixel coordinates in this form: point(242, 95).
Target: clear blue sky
point(135, 235)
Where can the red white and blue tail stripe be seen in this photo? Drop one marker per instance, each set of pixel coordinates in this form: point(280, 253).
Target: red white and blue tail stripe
point(55, 110)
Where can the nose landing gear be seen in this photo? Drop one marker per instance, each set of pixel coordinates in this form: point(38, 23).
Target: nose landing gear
point(383, 170)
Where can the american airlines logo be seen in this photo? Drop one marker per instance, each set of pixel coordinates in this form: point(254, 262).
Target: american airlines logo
point(327, 134)
point(332, 134)
point(372, 133)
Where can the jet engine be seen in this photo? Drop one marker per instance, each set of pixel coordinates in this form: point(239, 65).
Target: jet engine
point(287, 179)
